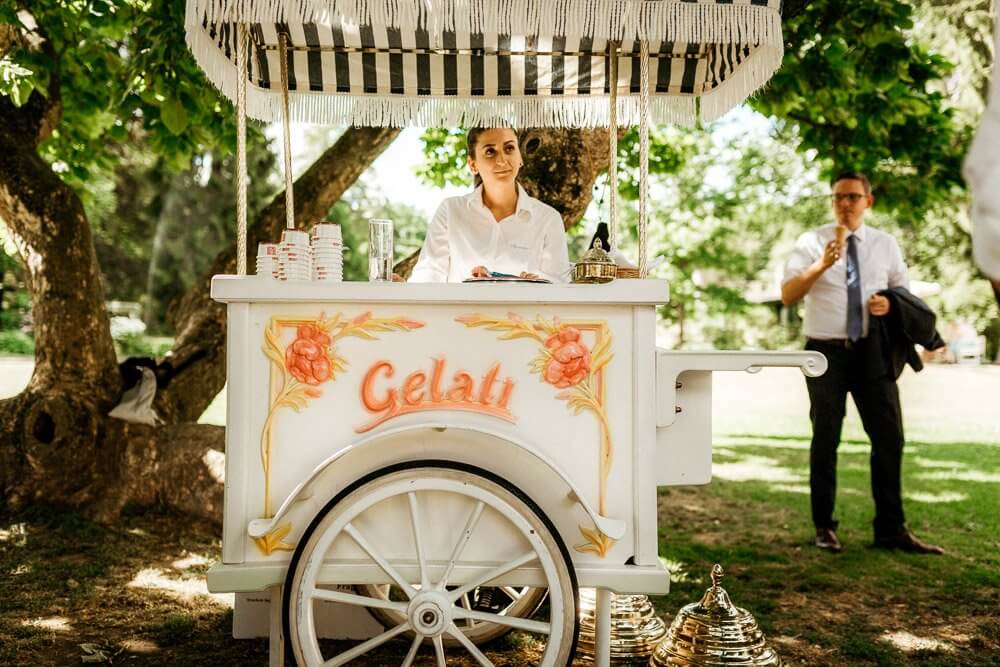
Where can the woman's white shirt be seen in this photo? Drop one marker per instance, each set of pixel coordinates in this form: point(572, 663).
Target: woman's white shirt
point(463, 235)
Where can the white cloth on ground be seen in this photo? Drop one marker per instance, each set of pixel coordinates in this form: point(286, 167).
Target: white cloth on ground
point(137, 402)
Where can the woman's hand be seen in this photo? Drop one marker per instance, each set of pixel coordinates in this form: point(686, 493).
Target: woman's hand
point(530, 276)
point(480, 272)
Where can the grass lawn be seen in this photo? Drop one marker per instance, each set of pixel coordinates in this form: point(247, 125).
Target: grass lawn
point(135, 592)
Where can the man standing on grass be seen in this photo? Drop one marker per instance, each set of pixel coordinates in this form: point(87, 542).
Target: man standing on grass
point(839, 268)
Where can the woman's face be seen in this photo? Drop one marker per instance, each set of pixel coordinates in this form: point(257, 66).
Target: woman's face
point(497, 157)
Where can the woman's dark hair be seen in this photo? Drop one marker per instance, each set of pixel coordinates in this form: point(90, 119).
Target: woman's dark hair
point(471, 140)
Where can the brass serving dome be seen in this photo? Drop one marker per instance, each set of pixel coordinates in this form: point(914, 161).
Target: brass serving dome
point(635, 628)
point(715, 633)
point(596, 266)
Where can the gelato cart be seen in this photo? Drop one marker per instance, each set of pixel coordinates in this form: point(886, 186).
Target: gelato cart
point(438, 458)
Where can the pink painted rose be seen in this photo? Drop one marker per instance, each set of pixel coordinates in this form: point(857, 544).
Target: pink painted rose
point(307, 358)
point(569, 363)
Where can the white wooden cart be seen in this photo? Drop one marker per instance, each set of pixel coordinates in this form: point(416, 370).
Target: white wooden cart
point(403, 448)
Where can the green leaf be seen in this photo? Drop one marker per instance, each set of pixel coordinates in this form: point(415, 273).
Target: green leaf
point(173, 115)
point(21, 91)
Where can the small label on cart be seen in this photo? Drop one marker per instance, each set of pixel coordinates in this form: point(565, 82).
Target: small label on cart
point(429, 390)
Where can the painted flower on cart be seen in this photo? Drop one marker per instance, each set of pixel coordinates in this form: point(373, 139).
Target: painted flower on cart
point(308, 357)
point(569, 358)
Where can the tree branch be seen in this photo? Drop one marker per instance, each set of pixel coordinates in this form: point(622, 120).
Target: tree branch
point(200, 322)
point(9, 37)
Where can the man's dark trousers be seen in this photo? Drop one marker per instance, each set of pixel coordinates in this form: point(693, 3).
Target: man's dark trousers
point(877, 400)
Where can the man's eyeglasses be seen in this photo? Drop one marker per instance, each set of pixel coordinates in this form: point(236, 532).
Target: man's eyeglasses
point(852, 197)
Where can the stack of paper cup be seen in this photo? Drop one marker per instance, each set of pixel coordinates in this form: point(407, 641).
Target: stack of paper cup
point(267, 260)
point(327, 253)
point(294, 256)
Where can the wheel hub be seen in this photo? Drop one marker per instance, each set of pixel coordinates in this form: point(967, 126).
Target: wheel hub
point(429, 614)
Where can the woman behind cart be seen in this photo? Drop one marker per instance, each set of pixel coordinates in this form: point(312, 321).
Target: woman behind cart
point(497, 228)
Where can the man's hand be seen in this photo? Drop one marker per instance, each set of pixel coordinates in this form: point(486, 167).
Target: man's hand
point(480, 272)
point(878, 305)
point(831, 253)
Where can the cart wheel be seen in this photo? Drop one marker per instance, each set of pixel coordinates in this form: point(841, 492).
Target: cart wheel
point(519, 601)
point(431, 610)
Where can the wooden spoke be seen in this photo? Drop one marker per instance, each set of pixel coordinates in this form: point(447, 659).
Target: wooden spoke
point(510, 621)
point(498, 571)
point(382, 562)
point(469, 646)
point(470, 525)
point(363, 648)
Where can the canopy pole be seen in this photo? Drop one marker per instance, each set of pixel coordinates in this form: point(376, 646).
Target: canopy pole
point(241, 150)
point(286, 126)
point(643, 152)
point(613, 145)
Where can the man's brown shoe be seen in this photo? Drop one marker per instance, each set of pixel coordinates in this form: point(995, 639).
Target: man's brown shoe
point(904, 540)
point(827, 540)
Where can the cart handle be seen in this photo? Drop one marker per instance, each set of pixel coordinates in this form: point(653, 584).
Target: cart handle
point(670, 364)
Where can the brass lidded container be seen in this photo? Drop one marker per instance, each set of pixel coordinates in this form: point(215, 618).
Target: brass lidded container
point(714, 633)
point(596, 266)
point(635, 628)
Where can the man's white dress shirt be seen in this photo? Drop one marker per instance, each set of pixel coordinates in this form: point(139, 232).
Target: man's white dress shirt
point(881, 264)
point(463, 235)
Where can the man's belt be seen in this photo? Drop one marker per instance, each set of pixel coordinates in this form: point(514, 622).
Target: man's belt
point(836, 342)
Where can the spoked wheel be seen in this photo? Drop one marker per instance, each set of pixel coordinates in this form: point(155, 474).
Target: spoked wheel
point(517, 601)
point(429, 527)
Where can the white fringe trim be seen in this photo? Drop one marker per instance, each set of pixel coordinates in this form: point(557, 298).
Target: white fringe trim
point(542, 111)
point(752, 74)
point(673, 20)
point(376, 111)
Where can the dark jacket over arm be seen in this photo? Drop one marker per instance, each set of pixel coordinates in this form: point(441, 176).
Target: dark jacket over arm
point(891, 337)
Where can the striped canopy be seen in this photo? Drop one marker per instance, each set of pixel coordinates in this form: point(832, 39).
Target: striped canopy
point(525, 63)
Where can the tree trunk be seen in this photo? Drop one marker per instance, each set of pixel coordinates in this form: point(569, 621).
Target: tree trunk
point(561, 166)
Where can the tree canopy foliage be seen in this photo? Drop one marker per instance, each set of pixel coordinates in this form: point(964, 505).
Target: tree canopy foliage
point(857, 88)
point(117, 67)
point(138, 133)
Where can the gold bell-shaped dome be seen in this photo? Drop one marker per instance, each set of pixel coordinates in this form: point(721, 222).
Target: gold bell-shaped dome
point(714, 633)
point(635, 628)
point(596, 266)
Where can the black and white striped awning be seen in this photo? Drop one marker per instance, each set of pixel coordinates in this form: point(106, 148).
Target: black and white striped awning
point(526, 63)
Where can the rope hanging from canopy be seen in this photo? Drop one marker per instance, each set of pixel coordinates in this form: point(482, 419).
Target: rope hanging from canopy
point(527, 63)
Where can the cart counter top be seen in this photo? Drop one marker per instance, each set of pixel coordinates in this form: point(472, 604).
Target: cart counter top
point(229, 289)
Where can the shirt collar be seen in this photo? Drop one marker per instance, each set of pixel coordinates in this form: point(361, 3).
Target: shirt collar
point(525, 202)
